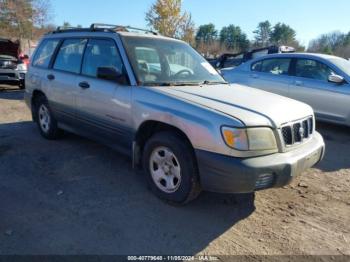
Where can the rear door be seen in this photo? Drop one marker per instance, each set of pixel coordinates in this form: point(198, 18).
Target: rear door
point(63, 78)
point(39, 69)
point(104, 106)
point(272, 75)
point(330, 101)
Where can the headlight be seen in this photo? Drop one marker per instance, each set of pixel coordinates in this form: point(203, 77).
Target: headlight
point(249, 139)
point(22, 67)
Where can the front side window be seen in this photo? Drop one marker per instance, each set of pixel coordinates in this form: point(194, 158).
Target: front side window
point(256, 67)
point(43, 55)
point(101, 53)
point(70, 55)
point(276, 66)
point(157, 61)
point(309, 68)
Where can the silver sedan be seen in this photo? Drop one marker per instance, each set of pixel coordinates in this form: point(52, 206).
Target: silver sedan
point(321, 81)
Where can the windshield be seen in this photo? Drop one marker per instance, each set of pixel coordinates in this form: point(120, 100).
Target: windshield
point(342, 64)
point(168, 62)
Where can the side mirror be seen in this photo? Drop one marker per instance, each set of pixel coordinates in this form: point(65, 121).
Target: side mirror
point(111, 74)
point(23, 57)
point(337, 79)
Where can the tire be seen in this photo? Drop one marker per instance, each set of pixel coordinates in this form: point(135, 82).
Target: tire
point(168, 158)
point(45, 120)
point(22, 85)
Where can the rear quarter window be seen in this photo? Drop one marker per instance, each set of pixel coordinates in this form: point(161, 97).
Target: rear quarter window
point(44, 53)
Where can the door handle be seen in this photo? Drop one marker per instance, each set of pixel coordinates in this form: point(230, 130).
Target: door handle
point(298, 83)
point(254, 75)
point(84, 85)
point(51, 77)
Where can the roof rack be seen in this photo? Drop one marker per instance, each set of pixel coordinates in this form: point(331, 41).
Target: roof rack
point(102, 28)
point(120, 28)
point(63, 28)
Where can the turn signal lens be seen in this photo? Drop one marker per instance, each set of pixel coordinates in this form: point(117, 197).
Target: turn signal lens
point(235, 138)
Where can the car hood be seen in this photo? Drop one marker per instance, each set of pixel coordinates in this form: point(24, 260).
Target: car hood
point(251, 106)
point(9, 48)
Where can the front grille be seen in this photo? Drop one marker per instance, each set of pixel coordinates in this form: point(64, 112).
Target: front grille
point(8, 74)
point(297, 132)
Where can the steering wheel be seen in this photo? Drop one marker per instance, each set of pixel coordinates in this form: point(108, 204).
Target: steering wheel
point(183, 71)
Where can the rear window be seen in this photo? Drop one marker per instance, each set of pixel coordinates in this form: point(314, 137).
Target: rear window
point(45, 51)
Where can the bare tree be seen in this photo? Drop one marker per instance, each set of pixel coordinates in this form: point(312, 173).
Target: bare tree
point(335, 43)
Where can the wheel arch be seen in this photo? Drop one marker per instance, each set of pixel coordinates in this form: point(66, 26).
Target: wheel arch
point(35, 95)
point(146, 130)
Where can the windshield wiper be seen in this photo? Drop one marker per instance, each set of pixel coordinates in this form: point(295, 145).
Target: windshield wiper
point(173, 84)
point(207, 82)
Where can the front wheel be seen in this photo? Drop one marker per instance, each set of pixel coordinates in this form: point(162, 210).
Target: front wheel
point(171, 168)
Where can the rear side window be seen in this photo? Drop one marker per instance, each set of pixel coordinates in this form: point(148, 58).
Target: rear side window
point(43, 56)
point(312, 69)
point(70, 55)
point(276, 66)
point(101, 53)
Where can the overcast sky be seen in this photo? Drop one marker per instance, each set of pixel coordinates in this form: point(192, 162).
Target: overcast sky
point(309, 18)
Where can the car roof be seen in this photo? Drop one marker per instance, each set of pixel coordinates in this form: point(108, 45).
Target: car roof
point(295, 55)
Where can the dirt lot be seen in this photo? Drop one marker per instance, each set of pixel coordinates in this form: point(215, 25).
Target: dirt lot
point(74, 196)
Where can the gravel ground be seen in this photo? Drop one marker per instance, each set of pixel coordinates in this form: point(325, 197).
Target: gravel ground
point(74, 196)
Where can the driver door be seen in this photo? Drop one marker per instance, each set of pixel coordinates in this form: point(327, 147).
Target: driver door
point(310, 85)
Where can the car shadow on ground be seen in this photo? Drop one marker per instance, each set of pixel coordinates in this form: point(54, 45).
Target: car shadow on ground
point(337, 139)
point(73, 196)
point(11, 93)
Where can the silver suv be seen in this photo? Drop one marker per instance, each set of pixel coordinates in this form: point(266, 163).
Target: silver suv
point(157, 100)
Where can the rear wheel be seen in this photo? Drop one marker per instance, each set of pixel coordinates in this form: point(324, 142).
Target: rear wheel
point(171, 168)
point(46, 122)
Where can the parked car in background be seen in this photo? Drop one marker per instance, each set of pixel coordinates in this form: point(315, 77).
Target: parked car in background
point(157, 100)
point(230, 60)
point(321, 81)
point(12, 67)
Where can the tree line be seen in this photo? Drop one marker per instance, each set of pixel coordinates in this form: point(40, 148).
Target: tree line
point(334, 43)
point(168, 18)
point(24, 19)
point(231, 38)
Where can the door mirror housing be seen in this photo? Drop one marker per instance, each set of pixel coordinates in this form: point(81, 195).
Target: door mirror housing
point(112, 74)
point(24, 57)
point(337, 79)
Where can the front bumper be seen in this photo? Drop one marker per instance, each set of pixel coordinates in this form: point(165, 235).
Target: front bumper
point(225, 174)
point(11, 76)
